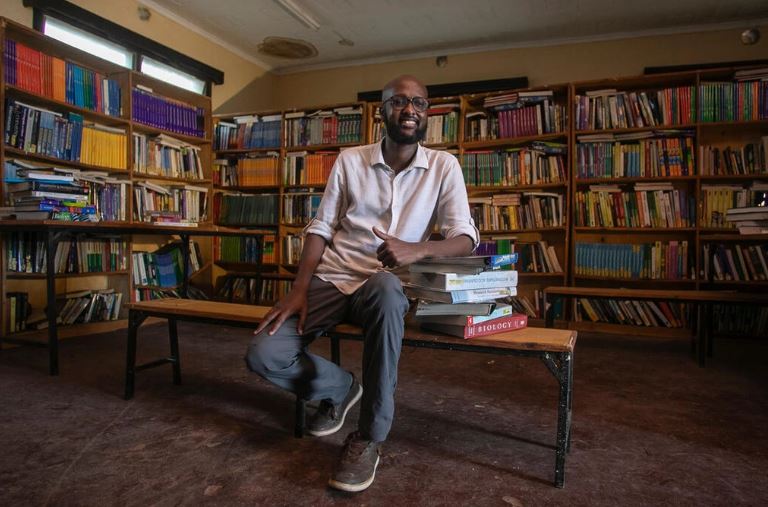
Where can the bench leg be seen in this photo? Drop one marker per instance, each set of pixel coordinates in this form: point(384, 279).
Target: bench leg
point(563, 416)
point(175, 359)
point(301, 417)
point(134, 321)
point(335, 350)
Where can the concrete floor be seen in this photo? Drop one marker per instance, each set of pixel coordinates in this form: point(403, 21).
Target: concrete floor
point(649, 428)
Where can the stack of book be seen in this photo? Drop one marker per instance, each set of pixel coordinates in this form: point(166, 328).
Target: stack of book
point(40, 193)
point(749, 220)
point(464, 296)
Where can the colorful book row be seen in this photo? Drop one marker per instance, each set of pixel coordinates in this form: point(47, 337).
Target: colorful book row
point(613, 207)
point(248, 132)
point(44, 132)
point(539, 164)
point(57, 79)
point(637, 261)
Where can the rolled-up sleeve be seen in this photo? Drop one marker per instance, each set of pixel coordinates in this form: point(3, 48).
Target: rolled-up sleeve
point(453, 216)
point(332, 206)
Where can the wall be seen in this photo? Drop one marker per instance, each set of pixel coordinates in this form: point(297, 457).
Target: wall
point(239, 73)
point(542, 65)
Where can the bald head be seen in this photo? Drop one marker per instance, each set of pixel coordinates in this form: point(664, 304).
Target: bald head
point(404, 82)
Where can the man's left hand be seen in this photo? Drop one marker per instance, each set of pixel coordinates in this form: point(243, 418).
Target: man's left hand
point(396, 252)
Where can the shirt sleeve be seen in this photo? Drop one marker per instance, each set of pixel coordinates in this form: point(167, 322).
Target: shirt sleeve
point(332, 206)
point(453, 216)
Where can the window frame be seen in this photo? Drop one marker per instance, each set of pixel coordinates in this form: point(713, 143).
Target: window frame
point(89, 22)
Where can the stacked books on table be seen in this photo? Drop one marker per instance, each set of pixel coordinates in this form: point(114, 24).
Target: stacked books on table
point(465, 296)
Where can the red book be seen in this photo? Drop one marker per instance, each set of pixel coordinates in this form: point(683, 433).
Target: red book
point(495, 326)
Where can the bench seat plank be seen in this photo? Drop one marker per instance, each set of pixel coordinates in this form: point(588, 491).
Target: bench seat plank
point(531, 338)
point(226, 312)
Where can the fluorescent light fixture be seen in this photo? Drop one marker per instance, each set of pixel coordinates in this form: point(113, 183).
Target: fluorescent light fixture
point(299, 13)
point(87, 42)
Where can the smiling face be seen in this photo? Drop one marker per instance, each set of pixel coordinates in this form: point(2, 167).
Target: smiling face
point(405, 125)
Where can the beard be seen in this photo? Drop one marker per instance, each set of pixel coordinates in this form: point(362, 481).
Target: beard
point(394, 132)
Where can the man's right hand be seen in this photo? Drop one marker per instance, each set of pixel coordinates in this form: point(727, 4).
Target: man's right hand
point(293, 303)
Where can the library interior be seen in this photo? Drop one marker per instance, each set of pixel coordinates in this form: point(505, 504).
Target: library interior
point(283, 252)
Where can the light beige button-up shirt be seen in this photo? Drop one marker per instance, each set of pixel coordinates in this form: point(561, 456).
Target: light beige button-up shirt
point(363, 192)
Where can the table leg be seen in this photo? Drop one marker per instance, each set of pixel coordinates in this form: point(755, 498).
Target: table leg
point(134, 321)
point(176, 360)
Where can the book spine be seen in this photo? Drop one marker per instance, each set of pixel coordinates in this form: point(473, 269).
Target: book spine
point(511, 323)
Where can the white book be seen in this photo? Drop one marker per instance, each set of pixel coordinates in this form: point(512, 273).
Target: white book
point(459, 296)
point(454, 281)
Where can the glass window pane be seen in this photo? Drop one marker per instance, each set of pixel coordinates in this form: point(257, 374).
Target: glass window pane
point(87, 42)
point(170, 75)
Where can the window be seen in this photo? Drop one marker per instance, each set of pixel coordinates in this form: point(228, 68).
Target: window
point(88, 32)
point(87, 42)
point(168, 74)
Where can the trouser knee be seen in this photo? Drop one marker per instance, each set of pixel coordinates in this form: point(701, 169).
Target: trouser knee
point(384, 291)
point(265, 355)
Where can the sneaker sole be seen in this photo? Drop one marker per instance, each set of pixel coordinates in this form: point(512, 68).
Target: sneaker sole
point(354, 488)
point(331, 431)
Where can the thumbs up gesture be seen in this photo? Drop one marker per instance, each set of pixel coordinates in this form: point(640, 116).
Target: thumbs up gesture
point(394, 252)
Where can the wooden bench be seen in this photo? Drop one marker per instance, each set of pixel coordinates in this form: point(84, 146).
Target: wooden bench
point(554, 347)
point(703, 300)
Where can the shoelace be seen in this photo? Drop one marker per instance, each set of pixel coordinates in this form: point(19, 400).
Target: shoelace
point(328, 409)
point(355, 447)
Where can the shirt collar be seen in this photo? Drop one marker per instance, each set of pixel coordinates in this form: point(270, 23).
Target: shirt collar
point(419, 161)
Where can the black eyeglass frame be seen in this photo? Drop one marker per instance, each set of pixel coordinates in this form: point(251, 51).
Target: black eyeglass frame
point(408, 100)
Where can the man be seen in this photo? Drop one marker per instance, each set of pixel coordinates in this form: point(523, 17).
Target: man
point(379, 208)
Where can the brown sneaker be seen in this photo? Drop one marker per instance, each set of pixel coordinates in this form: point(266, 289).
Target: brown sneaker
point(357, 467)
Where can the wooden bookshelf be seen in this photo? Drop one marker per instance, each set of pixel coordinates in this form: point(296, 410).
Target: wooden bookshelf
point(94, 106)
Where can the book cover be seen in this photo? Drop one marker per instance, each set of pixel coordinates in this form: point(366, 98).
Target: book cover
point(474, 264)
point(465, 319)
point(496, 326)
point(428, 308)
point(453, 281)
point(459, 296)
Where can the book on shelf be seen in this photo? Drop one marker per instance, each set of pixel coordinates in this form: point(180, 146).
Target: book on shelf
point(501, 325)
point(471, 265)
point(453, 281)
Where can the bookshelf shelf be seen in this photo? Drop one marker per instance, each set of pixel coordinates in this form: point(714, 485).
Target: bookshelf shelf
point(654, 230)
point(511, 141)
point(241, 188)
point(528, 274)
point(240, 266)
point(320, 147)
point(619, 181)
point(472, 189)
point(524, 231)
point(146, 129)
point(61, 106)
point(732, 177)
point(246, 151)
point(732, 124)
point(683, 126)
point(61, 162)
point(42, 276)
point(137, 176)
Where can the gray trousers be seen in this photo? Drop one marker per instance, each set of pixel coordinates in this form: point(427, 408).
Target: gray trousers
point(379, 307)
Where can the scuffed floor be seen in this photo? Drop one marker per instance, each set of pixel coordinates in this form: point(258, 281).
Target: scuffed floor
point(650, 428)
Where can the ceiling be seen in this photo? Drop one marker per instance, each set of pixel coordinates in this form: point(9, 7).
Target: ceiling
point(384, 30)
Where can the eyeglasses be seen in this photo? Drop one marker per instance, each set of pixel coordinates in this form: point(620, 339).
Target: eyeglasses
point(420, 104)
